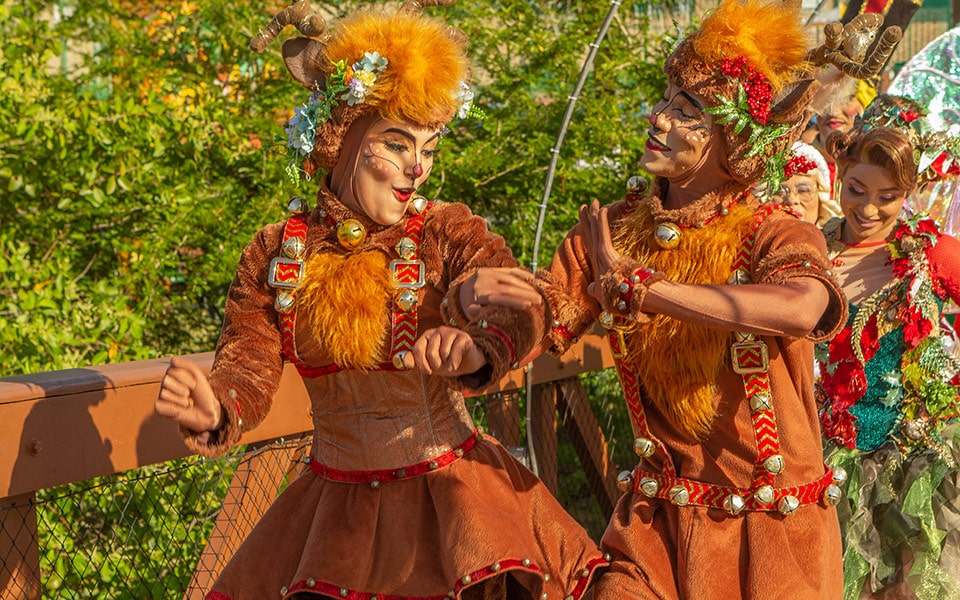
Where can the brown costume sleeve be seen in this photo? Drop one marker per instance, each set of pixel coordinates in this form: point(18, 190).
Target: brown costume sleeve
point(503, 335)
point(789, 263)
point(570, 309)
point(248, 364)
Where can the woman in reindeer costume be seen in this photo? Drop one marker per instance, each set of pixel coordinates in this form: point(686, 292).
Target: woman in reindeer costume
point(713, 303)
point(403, 498)
point(891, 383)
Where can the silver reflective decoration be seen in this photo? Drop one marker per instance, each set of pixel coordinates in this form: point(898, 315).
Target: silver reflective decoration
point(606, 319)
point(774, 464)
point(398, 360)
point(294, 247)
point(406, 299)
point(284, 302)
point(417, 205)
point(761, 401)
point(625, 481)
point(839, 475)
point(679, 495)
point(788, 505)
point(649, 486)
point(764, 494)
point(624, 287)
point(296, 204)
point(644, 447)
point(637, 185)
point(734, 504)
point(739, 277)
point(832, 495)
point(406, 248)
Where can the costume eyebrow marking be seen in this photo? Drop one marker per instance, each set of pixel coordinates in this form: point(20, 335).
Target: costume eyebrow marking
point(690, 99)
point(410, 136)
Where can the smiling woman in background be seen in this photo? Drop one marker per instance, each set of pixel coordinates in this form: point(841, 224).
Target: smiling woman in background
point(890, 386)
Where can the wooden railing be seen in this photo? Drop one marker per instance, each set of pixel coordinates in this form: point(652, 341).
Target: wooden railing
point(68, 426)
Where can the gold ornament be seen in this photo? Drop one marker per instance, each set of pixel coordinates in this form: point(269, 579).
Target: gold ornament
point(679, 495)
point(667, 236)
point(351, 234)
point(644, 446)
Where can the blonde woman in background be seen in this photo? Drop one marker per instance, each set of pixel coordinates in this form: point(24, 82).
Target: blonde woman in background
point(807, 191)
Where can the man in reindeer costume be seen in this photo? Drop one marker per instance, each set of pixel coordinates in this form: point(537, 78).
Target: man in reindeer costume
point(712, 303)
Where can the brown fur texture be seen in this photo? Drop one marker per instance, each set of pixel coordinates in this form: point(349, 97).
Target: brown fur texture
point(346, 300)
point(678, 362)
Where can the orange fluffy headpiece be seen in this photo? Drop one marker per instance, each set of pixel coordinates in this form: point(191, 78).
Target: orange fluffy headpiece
point(423, 80)
point(756, 48)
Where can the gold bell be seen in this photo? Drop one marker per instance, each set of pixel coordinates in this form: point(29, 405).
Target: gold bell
point(667, 236)
point(679, 495)
point(774, 464)
point(644, 446)
point(764, 494)
point(417, 205)
point(832, 495)
point(625, 481)
point(734, 504)
point(649, 486)
point(761, 401)
point(351, 234)
point(284, 302)
point(398, 360)
point(637, 185)
point(788, 505)
point(406, 300)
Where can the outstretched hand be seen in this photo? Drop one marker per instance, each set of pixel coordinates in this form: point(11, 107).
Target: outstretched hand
point(595, 224)
point(187, 398)
point(507, 286)
point(445, 351)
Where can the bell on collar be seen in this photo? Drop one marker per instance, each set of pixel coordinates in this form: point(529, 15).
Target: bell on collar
point(667, 236)
point(351, 234)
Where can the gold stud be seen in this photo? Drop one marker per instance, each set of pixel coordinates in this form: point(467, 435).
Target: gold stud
point(375, 484)
point(343, 592)
point(495, 567)
point(351, 234)
point(624, 287)
point(284, 590)
point(761, 401)
point(621, 305)
point(606, 319)
point(644, 447)
point(434, 465)
point(525, 562)
point(406, 299)
point(546, 577)
point(649, 486)
point(401, 472)
point(458, 452)
point(482, 323)
point(625, 481)
point(584, 573)
point(465, 579)
point(734, 504)
point(667, 236)
point(679, 495)
point(311, 582)
point(774, 464)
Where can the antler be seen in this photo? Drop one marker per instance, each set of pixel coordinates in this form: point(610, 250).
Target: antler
point(418, 5)
point(297, 14)
point(846, 46)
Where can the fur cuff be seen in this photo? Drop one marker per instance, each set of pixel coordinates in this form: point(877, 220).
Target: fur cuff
point(218, 442)
point(624, 287)
point(566, 318)
point(450, 309)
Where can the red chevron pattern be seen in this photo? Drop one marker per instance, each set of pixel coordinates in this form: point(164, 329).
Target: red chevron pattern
point(296, 226)
point(405, 322)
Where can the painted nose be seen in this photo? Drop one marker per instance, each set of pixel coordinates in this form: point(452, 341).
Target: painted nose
point(417, 170)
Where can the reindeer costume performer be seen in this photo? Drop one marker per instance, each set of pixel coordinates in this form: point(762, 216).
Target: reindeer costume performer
point(402, 497)
point(713, 302)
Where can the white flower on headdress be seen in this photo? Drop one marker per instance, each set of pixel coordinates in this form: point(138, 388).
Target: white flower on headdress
point(465, 99)
point(365, 72)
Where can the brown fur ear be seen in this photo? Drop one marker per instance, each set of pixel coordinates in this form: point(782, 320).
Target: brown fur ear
point(306, 62)
point(791, 107)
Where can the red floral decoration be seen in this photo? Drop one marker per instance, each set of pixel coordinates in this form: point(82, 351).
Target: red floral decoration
point(798, 165)
point(939, 162)
point(755, 84)
point(908, 116)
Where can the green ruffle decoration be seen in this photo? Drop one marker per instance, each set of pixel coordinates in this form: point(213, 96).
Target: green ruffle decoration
point(900, 518)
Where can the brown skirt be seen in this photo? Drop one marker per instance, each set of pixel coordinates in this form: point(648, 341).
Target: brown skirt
point(479, 524)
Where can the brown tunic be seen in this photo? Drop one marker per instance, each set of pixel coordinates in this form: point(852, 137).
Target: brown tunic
point(666, 551)
point(481, 522)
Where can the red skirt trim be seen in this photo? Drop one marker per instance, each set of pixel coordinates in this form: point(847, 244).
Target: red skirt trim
point(375, 478)
point(510, 564)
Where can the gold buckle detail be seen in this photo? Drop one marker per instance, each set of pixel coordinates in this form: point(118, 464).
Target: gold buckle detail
point(285, 272)
point(749, 357)
point(421, 273)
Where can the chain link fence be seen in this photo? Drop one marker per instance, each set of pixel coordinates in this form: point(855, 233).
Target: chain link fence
point(166, 531)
